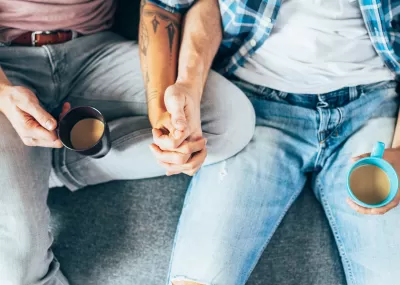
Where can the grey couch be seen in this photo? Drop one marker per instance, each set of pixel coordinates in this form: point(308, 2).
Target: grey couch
point(122, 232)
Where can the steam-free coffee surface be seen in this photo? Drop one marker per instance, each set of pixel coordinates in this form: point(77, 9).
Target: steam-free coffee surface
point(86, 133)
point(370, 184)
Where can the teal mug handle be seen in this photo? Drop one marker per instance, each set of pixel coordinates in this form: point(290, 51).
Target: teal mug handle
point(378, 150)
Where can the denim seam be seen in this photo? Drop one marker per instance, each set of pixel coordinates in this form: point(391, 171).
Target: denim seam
point(55, 77)
point(62, 171)
point(60, 280)
point(338, 238)
point(286, 208)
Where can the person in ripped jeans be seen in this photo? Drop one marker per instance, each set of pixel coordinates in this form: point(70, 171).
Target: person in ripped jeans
point(57, 54)
point(321, 77)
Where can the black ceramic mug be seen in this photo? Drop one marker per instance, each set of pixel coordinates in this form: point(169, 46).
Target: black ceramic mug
point(71, 118)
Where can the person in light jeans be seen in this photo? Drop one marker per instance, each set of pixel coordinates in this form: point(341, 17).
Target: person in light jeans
point(80, 62)
point(321, 78)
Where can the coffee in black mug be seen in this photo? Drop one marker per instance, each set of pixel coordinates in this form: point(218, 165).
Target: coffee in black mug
point(84, 130)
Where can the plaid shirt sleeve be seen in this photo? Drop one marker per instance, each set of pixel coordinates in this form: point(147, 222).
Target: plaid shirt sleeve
point(174, 6)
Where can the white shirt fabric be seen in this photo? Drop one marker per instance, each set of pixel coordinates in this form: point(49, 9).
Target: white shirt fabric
point(316, 46)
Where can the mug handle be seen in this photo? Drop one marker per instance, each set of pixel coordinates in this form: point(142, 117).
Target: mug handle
point(378, 150)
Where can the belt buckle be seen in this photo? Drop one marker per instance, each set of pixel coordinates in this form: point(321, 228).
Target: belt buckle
point(33, 35)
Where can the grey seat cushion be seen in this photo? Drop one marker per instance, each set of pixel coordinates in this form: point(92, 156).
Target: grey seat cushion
point(122, 233)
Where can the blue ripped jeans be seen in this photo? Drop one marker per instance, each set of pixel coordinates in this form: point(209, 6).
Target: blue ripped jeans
point(233, 207)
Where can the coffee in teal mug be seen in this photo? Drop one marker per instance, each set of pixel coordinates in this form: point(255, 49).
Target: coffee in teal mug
point(372, 182)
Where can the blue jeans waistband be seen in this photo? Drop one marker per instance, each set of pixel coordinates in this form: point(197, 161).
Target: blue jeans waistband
point(333, 99)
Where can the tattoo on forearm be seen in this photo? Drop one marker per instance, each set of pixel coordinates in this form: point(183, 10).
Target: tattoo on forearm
point(153, 95)
point(144, 38)
point(162, 16)
point(171, 33)
point(155, 24)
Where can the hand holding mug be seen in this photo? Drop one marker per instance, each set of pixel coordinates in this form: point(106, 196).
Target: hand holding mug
point(388, 160)
point(34, 125)
point(178, 143)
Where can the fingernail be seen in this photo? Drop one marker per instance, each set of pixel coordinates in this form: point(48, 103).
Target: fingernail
point(49, 125)
point(151, 148)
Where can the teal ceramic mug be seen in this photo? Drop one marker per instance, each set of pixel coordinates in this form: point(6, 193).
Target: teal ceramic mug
point(374, 160)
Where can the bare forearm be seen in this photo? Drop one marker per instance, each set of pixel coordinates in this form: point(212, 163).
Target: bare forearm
point(159, 42)
point(201, 37)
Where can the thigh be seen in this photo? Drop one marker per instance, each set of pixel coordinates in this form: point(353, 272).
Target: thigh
point(233, 207)
point(369, 245)
point(25, 254)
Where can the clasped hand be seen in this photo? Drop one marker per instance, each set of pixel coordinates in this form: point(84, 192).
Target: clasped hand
point(179, 145)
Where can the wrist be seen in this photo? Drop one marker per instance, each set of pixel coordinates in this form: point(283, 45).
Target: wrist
point(155, 112)
point(193, 89)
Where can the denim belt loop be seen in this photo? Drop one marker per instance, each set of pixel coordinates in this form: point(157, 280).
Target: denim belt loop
point(321, 102)
point(353, 93)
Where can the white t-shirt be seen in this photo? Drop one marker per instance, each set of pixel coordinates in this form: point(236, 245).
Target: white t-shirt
point(316, 46)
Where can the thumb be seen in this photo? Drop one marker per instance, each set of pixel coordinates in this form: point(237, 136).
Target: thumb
point(356, 158)
point(65, 108)
point(175, 103)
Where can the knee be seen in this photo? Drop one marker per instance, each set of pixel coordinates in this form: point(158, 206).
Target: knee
point(233, 121)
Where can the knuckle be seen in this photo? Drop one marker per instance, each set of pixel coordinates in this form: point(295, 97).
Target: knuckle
point(187, 149)
point(28, 141)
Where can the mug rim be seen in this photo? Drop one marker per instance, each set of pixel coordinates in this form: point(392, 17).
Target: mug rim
point(74, 109)
point(393, 188)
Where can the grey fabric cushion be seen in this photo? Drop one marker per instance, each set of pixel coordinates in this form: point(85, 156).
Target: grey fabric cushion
point(122, 233)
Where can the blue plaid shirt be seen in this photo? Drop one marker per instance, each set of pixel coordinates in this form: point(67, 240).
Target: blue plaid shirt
point(248, 23)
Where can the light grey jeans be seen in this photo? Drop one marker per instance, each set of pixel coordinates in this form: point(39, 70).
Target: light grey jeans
point(103, 71)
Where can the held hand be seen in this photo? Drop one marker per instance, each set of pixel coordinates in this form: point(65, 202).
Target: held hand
point(178, 143)
point(33, 124)
point(391, 155)
point(181, 120)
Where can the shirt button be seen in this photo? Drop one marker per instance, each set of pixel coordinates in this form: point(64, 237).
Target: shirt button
point(268, 20)
point(253, 43)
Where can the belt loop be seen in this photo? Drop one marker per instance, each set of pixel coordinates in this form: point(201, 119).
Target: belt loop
point(353, 93)
point(321, 102)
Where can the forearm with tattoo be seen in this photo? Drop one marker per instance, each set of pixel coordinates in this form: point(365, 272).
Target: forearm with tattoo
point(158, 42)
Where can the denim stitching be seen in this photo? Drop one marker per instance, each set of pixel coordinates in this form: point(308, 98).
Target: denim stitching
point(338, 238)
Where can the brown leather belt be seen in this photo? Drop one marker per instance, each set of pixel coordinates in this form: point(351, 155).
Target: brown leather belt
point(44, 38)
